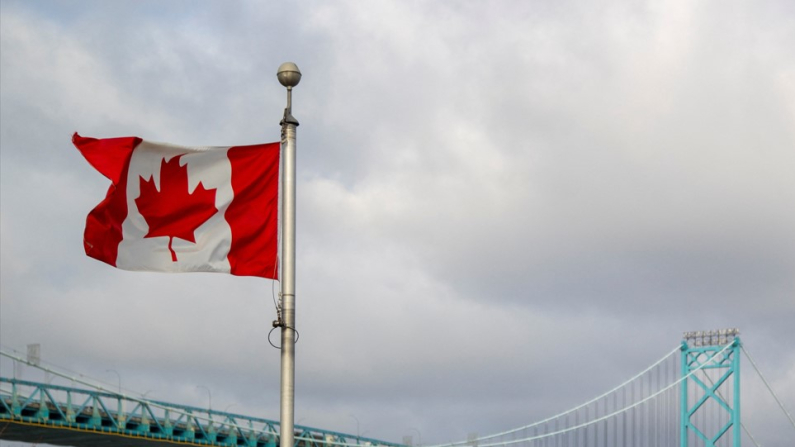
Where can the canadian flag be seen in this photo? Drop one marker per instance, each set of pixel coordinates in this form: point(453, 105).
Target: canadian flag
point(184, 209)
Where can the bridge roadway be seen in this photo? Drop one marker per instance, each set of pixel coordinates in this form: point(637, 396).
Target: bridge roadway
point(43, 413)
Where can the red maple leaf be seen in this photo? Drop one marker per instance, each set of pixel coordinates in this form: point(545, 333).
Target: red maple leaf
point(174, 211)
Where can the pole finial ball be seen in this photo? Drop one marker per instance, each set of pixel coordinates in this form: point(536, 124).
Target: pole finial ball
point(289, 75)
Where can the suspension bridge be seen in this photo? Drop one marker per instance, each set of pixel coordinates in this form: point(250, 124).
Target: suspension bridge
point(690, 397)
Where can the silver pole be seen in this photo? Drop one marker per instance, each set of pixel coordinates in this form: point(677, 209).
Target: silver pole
point(289, 76)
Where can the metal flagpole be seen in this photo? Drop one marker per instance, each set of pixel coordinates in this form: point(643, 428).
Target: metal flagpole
point(289, 75)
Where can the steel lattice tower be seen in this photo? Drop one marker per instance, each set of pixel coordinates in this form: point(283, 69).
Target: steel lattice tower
point(710, 363)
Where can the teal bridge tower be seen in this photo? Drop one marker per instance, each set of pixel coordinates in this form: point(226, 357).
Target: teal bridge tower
point(715, 392)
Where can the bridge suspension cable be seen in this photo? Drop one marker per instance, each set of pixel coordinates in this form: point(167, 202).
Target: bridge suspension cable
point(558, 433)
point(567, 412)
point(769, 388)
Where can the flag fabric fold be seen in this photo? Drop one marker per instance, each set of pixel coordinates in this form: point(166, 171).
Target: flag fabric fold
point(184, 209)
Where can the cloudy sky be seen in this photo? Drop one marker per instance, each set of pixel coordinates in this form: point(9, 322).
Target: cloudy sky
point(504, 208)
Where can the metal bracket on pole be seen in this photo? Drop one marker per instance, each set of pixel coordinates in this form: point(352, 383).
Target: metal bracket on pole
point(288, 116)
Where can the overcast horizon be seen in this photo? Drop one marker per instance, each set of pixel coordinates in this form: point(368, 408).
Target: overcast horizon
point(504, 208)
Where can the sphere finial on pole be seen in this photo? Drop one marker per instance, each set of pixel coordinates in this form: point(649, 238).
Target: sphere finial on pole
point(289, 75)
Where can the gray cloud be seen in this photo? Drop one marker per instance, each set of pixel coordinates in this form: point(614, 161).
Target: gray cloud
point(490, 196)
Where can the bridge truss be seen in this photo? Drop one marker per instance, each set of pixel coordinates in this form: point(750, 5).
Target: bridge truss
point(53, 414)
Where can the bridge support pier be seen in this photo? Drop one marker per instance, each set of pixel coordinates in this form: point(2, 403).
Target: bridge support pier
point(70, 412)
point(96, 418)
point(16, 408)
point(168, 427)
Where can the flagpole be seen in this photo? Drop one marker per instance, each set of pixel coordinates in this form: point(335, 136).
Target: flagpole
point(289, 75)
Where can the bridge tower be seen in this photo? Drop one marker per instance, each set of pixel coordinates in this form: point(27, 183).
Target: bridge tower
point(710, 391)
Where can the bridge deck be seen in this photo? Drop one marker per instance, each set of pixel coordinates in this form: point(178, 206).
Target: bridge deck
point(48, 434)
